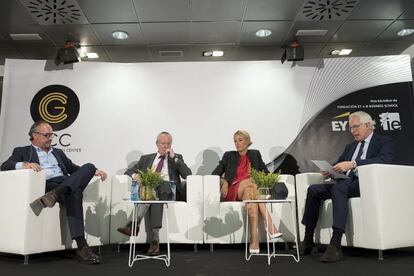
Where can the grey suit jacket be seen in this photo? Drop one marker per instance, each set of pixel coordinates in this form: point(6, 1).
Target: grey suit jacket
point(175, 171)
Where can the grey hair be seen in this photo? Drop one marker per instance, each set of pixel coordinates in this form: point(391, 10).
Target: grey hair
point(162, 133)
point(364, 117)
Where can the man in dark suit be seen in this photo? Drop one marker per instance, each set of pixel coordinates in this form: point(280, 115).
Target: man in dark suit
point(171, 166)
point(368, 148)
point(65, 181)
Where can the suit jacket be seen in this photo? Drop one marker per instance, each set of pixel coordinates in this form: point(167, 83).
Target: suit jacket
point(175, 170)
point(228, 164)
point(28, 154)
point(380, 151)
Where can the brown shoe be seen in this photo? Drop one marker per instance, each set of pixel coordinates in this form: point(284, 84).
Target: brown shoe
point(47, 200)
point(332, 254)
point(154, 248)
point(127, 229)
point(86, 256)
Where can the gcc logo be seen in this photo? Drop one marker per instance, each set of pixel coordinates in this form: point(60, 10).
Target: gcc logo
point(56, 104)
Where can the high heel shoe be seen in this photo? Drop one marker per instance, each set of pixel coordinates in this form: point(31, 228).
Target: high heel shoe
point(275, 235)
point(254, 251)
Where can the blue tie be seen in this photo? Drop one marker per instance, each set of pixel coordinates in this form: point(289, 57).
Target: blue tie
point(361, 150)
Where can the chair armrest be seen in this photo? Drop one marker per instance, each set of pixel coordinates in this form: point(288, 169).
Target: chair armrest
point(387, 205)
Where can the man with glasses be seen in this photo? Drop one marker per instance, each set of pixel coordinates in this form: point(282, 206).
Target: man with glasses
point(65, 181)
point(171, 165)
point(367, 148)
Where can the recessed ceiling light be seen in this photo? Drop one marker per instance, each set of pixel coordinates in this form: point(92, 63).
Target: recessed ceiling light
point(120, 35)
point(215, 53)
point(263, 33)
point(26, 36)
point(342, 52)
point(92, 55)
point(405, 32)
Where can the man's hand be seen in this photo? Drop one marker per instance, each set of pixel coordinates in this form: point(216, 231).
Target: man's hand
point(102, 174)
point(171, 153)
point(343, 166)
point(34, 166)
point(224, 187)
point(136, 177)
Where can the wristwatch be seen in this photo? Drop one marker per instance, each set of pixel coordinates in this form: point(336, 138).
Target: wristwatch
point(176, 158)
point(354, 164)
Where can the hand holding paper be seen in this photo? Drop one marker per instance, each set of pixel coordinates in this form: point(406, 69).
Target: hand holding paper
point(326, 167)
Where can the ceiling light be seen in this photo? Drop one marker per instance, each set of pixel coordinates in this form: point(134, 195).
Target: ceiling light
point(120, 35)
point(26, 36)
point(215, 53)
point(311, 32)
point(263, 33)
point(342, 52)
point(92, 55)
point(405, 32)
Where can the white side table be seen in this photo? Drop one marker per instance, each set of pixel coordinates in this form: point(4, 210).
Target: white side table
point(272, 253)
point(133, 256)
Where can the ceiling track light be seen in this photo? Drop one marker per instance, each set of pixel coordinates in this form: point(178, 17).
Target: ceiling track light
point(214, 53)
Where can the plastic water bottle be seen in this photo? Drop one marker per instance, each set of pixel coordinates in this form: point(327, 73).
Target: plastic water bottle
point(134, 190)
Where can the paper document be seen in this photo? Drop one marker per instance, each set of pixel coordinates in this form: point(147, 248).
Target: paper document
point(326, 167)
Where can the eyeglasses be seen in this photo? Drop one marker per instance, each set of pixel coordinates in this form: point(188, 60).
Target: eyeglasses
point(46, 135)
point(351, 128)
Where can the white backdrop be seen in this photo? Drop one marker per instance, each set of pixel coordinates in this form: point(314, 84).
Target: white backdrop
point(124, 106)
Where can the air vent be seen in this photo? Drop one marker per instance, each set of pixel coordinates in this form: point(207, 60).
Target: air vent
point(311, 32)
point(50, 12)
point(170, 53)
point(323, 10)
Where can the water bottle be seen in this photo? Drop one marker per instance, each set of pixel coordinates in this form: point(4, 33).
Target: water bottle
point(134, 190)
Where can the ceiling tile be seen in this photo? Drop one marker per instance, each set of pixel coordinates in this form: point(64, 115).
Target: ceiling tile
point(108, 11)
point(279, 31)
point(391, 33)
point(36, 52)
point(356, 31)
point(62, 33)
point(127, 54)
point(380, 48)
point(313, 50)
point(330, 26)
point(272, 10)
point(169, 52)
point(5, 32)
point(215, 32)
point(166, 33)
point(408, 14)
point(380, 9)
point(104, 33)
point(259, 53)
point(217, 10)
point(163, 10)
point(12, 12)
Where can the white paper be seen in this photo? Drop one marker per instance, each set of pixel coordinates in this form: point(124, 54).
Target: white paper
point(326, 167)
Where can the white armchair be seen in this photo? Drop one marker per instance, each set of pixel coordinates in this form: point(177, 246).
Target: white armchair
point(24, 233)
point(224, 222)
point(382, 218)
point(185, 218)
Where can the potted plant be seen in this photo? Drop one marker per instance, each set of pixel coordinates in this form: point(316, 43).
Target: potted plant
point(150, 178)
point(264, 182)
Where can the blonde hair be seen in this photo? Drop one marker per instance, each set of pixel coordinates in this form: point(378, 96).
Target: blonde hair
point(243, 134)
point(364, 117)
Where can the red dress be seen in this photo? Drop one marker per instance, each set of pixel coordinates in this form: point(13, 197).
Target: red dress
point(241, 174)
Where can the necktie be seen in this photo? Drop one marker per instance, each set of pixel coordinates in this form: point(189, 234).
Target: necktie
point(160, 164)
point(361, 150)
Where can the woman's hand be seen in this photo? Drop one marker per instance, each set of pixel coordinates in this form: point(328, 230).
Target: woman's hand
point(224, 187)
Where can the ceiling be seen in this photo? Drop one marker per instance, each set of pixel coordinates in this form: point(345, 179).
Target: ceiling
point(190, 27)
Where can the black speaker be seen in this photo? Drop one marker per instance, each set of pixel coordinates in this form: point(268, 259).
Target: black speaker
point(67, 55)
point(295, 54)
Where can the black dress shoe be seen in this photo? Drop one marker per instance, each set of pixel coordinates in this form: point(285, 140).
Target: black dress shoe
point(127, 229)
point(307, 249)
point(332, 254)
point(86, 256)
point(47, 200)
point(154, 248)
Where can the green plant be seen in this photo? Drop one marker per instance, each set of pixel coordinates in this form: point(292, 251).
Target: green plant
point(150, 177)
point(264, 180)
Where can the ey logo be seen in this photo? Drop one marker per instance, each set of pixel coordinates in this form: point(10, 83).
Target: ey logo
point(340, 125)
point(57, 105)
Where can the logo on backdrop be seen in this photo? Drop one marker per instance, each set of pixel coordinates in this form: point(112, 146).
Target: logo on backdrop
point(390, 121)
point(56, 104)
point(59, 106)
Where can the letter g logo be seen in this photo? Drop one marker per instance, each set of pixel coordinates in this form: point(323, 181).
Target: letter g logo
point(56, 104)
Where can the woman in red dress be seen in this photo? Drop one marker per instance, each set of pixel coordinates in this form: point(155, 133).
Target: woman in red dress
point(236, 184)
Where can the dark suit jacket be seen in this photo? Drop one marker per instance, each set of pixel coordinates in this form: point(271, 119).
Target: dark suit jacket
point(380, 151)
point(175, 170)
point(228, 164)
point(28, 154)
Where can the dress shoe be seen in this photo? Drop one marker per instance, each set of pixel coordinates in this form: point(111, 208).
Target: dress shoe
point(154, 248)
point(254, 251)
point(47, 200)
point(86, 256)
point(332, 254)
point(127, 229)
point(275, 236)
point(307, 249)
